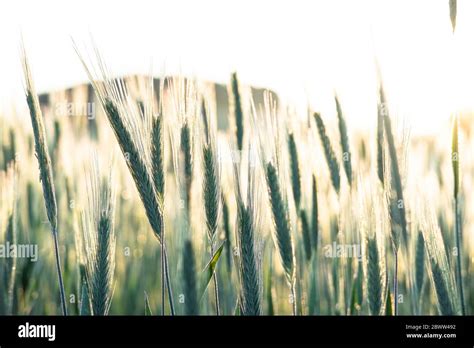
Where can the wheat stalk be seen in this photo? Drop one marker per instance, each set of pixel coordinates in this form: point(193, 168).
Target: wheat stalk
point(158, 172)
point(305, 230)
point(227, 232)
point(186, 150)
point(328, 152)
point(184, 99)
point(295, 170)
point(442, 293)
point(295, 178)
point(139, 169)
point(85, 305)
point(346, 152)
point(457, 222)
point(374, 277)
point(125, 123)
point(419, 265)
point(131, 134)
point(267, 129)
point(46, 174)
point(380, 143)
point(314, 214)
point(282, 225)
point(157, 155)
point(440, 274)
point(372, 224)
point(212, 193)
point(247, 225)
point(238, 113)
point(250, 296)
point(99, 240)
point(395, 191)
point(397, 203)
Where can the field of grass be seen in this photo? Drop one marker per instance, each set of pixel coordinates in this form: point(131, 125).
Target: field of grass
point(149, 208)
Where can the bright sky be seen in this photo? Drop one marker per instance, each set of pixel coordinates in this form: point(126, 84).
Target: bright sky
point(302, 49)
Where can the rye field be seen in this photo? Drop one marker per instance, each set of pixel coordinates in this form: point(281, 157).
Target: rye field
point(139, 202)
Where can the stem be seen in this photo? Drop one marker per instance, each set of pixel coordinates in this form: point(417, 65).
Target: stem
point(216, 293)
point(395, 284)
point(299, 303)
point(459, 258)
point(293, 295)
point(165, 276)
point(162, 280)
point(216, 285)
point(168, 281)
point(60, 276)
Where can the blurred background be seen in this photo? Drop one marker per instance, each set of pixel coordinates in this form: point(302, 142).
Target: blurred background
point(303, 50)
